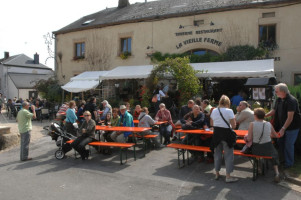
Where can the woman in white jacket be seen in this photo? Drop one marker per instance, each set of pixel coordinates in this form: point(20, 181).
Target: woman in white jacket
point(146, 121)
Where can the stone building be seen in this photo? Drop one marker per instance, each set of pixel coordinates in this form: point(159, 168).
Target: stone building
point(128, 34)
point(19, 74)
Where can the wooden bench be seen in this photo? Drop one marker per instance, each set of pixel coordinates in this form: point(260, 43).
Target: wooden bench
point(145, 138)
point(238, 141)
point(254, 159)
point(119, 145)
point(178, 126)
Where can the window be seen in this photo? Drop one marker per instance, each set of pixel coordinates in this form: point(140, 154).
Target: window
point(88, 22)
point(267, 35)
point(201, 52)
point(126, 45)
point(297, 79)
point(269, 14)
point(79, 50)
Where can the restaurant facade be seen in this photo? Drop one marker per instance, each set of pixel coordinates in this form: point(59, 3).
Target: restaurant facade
point(128, 35)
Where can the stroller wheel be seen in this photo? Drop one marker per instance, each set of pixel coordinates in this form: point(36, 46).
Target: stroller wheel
point(59, 154)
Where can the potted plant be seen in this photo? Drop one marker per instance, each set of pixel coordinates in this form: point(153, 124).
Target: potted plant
point(124, 55)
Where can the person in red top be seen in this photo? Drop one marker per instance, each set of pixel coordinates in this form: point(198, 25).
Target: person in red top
point(137, 112)
point(165, 129)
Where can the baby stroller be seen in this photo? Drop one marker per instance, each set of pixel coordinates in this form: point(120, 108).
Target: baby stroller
point(56, 132)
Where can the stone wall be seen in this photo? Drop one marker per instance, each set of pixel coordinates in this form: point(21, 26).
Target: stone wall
point(7, 139)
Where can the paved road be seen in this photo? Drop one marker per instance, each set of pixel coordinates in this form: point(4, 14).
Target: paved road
point(102, 177)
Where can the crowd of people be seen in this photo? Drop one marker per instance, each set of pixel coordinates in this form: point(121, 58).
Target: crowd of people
point(197, 114)
point(13, 106)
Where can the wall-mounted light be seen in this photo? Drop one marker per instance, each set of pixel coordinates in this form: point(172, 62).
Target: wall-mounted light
point(116, 85)
point(211, 23)
point(149, 47)
point(180, 27)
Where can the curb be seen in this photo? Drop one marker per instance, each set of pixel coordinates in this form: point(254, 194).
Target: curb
point(290, 179)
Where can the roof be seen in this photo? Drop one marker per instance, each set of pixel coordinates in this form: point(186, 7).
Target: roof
point(27, 81)
point(236, 69)
point(80, 85)
point(161, 9)
point(90, 75)
point(84, 81)
point(129, 72)
point(22, 60)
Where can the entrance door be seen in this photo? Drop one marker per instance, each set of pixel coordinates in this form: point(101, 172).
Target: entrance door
point(33, 94)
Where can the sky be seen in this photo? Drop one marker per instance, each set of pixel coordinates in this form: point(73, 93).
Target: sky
point(24, 23)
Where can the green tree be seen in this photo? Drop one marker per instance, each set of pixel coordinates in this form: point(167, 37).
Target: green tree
point(50, 90)
point(182, 72)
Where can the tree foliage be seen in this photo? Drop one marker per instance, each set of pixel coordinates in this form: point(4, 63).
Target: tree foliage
point(50, 90)
point(233, 53)
point(182, 72)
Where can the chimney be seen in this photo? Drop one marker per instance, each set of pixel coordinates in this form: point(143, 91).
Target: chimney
point(6, 55)
point(36, 58)
point(123, 3)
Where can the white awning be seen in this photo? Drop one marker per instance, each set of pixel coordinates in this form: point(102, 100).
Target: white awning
point(80, 85)
point(236, 69)
point(129, 72)
point(84, 81)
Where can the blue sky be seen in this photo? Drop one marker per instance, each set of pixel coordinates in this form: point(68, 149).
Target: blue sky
point(23, 23)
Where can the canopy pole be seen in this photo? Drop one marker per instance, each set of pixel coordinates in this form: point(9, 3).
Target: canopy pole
point(83, 96)
point(71, 97)
point(63, 96)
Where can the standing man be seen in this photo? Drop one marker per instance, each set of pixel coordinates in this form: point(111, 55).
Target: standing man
point(92, 108)
point(235, 100)
point(1, 102)
point(24, 124)
point(126, 119)
point(244, 115)
point(286, 121)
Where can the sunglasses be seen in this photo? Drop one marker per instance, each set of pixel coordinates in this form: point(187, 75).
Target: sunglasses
point(87, 115)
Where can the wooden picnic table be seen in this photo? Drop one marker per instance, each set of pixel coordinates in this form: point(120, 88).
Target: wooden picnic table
point(240, 133)
point(122, 128)
point(136, 121)
point(126, 129)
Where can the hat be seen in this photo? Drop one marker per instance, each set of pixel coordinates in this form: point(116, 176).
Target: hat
point(122, 107)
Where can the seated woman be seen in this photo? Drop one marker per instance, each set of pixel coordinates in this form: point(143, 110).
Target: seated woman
point(194, 120)
point(137, 112)
point(128, 107)
point(87, 135)
point(165, 129)
point(107, 122)
point(146, 121)
point(71, 118)
point(260, 133)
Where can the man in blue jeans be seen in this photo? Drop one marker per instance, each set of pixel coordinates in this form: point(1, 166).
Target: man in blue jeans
point(24, 124)
point(287, 122)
